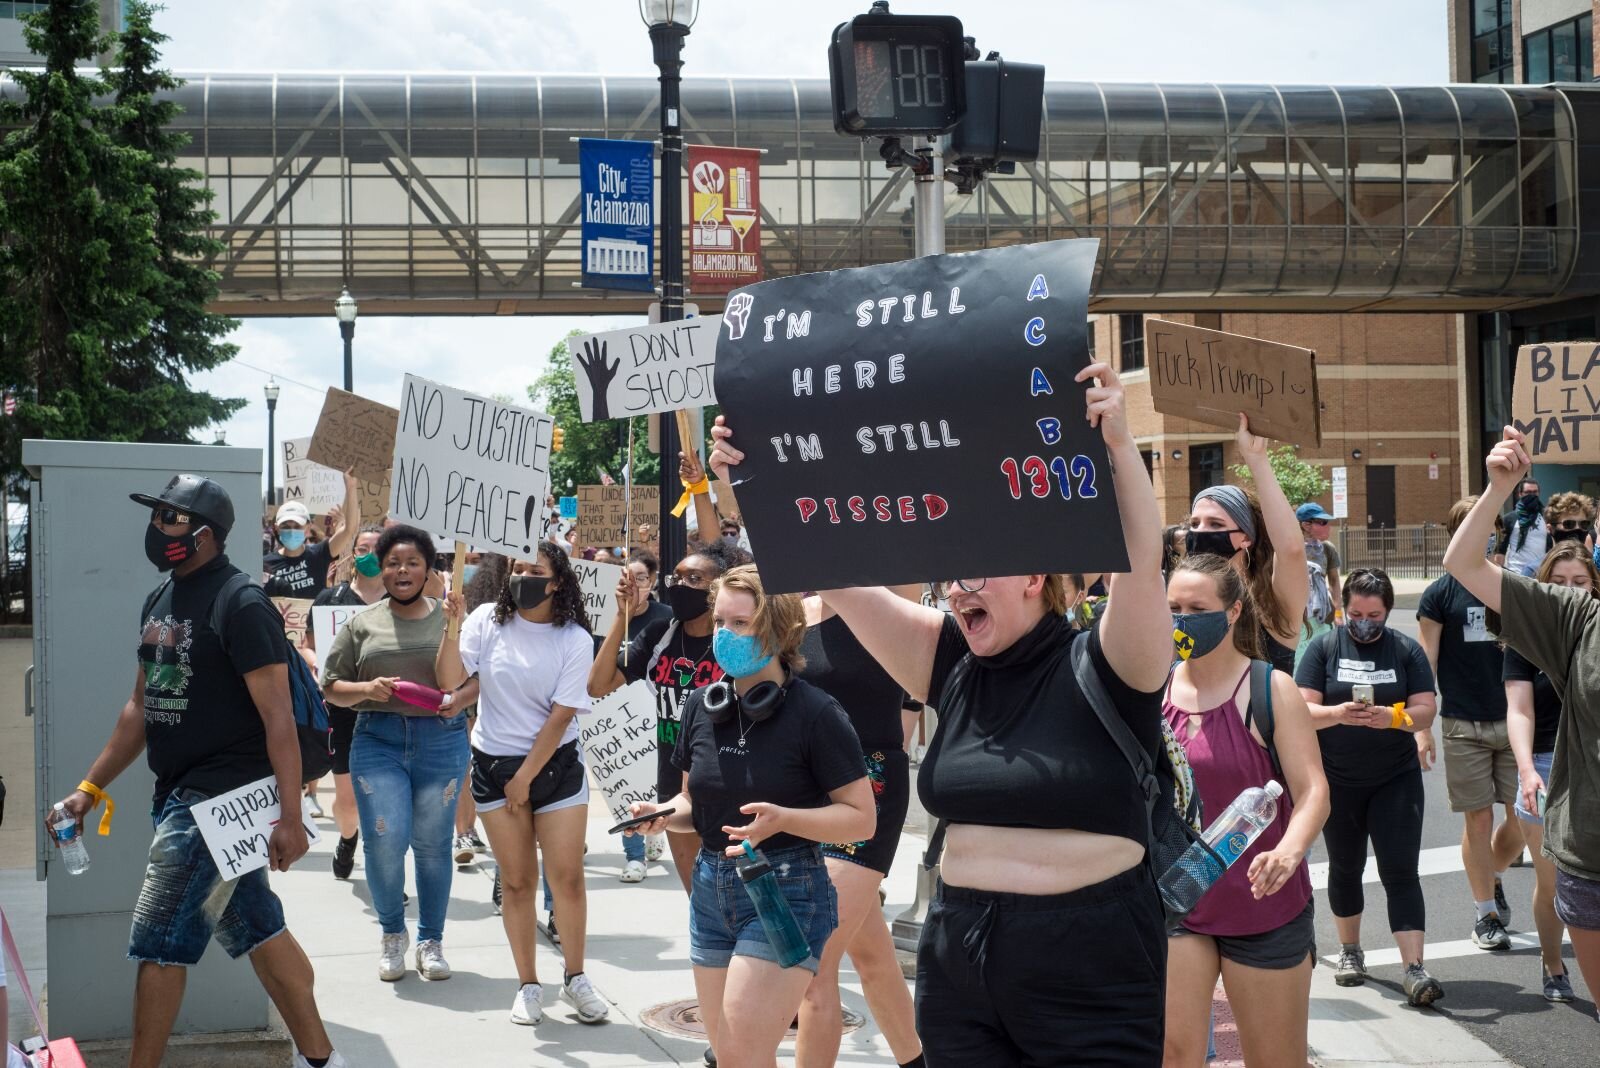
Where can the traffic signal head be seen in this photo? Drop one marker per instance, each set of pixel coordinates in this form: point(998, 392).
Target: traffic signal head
point(558, 439)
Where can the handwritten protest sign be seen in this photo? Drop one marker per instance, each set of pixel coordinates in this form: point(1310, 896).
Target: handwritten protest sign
point(569, 508)
point(1556, 401)
point(599, 585)
point(236, 825)
point(354, 433)
point(919, 419)
point(327, 620)
point(659, 367)
point(471, 468)
point(318, 488)
point(296, 617)
point(619, 736)
point(1212, 376)
point(601, 511)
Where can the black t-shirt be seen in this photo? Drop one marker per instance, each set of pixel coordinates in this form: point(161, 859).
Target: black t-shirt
point(842, 667)
point(305, 575)
point(1018, 744)
point(685, 664)
point(795, 758)
point(1469, 655)
point(201, 729)
point(1546, 702)
point(655, 614)
point(341, 596)
point(1395, 667)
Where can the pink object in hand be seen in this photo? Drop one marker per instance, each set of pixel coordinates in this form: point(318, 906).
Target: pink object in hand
point(414, 693)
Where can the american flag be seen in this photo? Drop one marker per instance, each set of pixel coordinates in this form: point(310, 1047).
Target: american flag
point(10, 404)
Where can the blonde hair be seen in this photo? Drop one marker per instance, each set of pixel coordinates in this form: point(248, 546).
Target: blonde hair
point(1567, 503)
point(1458, 513)
point(779, 620)
point(1054, 595)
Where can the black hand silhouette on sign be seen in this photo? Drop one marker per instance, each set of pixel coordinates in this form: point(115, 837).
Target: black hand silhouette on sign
point(600, 372)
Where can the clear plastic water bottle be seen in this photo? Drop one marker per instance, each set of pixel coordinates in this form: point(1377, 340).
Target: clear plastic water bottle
point(1229, 836)
point(777, 919)
point(64, 825)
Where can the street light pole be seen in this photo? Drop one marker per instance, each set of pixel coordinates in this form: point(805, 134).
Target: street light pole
point(345, 309)
point(271, 391)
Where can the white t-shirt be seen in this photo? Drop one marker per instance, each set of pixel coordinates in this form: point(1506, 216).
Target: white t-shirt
point(523, 668)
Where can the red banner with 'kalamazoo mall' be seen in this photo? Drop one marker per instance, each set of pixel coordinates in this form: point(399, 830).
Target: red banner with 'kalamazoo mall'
point(724, 218)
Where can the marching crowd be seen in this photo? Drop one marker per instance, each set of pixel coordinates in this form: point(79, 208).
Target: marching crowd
point(782, 723)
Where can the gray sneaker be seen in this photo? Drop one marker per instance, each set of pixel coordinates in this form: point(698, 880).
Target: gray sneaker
point(1352, 969)
point(1490, 933)
point(1501, 905)
point(1421, 988)
point(1557, 988)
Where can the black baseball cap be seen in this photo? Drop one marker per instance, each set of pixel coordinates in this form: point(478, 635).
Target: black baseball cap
point(197, 495)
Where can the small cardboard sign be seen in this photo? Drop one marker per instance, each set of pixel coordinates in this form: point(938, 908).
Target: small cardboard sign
point(599, 585)
point(296, 618)
point(327, 620)
point(1211, 376)
point(655, 367)
point(354, 433)
point(1556, 401)
point(317, 487)
point(236, 826)
point(619, 737)
point(601, 512)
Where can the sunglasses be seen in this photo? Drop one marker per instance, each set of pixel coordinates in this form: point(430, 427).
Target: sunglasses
point(1572, 524)
point(170, 517)
point(1318, 522)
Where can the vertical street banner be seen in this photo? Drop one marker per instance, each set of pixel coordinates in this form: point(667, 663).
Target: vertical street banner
point(724, 218)
point(617, 186)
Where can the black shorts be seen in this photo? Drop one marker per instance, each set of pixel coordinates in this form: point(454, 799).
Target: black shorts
point(889, 771)
point(561, 783)
point(1279, 949)
point(1025, 979)
point(343, 722)
point(669, 777)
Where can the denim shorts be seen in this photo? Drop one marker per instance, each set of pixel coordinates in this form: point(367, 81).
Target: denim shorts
point(1577, 901)
point(1541, 764)
point(722, 918)
point(185, 900)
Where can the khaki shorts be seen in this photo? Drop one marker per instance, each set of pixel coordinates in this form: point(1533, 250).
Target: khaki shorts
point(1479, 768)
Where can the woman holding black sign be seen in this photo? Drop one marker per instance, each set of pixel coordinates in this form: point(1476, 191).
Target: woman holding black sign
point(1046, 942)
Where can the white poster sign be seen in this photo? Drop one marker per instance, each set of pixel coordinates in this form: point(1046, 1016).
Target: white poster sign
point(619, 739)
point(599, 585)
point(318, 488)
point(237, 824)
point(642, 369)
point(471, 469)
point(327, 620)
point(1341, 493)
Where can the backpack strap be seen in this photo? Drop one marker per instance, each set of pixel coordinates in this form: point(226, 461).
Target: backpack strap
point(1260, 712)
point(1094, 691)
point(219, 605)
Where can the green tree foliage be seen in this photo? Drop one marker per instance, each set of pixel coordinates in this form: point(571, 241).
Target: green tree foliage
point(1301, 481)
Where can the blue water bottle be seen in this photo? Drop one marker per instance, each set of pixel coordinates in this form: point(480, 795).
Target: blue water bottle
point(783, 931)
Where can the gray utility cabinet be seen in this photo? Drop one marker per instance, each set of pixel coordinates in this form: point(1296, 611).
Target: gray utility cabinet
point(90, 578)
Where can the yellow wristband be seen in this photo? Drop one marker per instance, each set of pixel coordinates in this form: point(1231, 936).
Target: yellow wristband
point(100, 795)
point(1401, 717)
point(690, 491)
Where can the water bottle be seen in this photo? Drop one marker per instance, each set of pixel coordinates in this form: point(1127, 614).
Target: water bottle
point(64, 825)
point(777, 919)
point(1229, 836)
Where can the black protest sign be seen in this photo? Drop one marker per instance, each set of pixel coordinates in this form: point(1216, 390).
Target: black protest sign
point(919, 420)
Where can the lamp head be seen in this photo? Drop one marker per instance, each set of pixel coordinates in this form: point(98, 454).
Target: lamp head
point(665, 12)
point(345, 307)
point(271, 390)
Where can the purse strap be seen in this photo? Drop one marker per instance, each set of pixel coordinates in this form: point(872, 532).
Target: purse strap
point(22, 976)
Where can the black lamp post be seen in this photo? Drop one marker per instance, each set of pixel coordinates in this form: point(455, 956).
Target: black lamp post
point(345, 309)
point(669, 22)
point(271, 390)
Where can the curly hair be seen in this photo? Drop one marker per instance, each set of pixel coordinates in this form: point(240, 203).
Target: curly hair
point(565, 594)
point(1564, 504)
point(401, 534)
point(487, 581)
point(725, 555)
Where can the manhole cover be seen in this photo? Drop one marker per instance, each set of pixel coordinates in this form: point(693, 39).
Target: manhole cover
point(682, 1018)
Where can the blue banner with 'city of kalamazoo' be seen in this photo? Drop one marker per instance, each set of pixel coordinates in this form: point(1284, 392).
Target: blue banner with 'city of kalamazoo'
point(618, 188)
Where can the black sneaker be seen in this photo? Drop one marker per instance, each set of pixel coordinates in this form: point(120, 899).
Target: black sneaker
point(1422, 989)
point(1501, 905)
point(550, 930)
point(344, 856)
point(1557, 988)
point(1490, 933)
point(710, 1058)
point(1352, 969)
point(496, 893)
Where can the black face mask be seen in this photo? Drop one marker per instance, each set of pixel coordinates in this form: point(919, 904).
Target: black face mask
point(168, 551)
point(1215, 542)
point(1566, 535)
point(529, 591)
point(688, 603)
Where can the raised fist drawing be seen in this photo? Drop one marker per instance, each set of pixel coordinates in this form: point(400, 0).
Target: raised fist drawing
point(737, 315)
point(600, 372)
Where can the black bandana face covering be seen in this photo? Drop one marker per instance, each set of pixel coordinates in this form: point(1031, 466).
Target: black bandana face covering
point(1215, 542)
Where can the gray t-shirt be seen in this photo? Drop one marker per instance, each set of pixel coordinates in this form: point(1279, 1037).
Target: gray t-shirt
point(1558, 630)
point(378, 644)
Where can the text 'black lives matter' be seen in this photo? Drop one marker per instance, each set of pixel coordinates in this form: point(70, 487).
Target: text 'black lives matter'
point(919, 420)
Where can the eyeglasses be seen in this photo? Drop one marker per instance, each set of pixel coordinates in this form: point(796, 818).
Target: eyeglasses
point(694, 580)
point(972, 585)
point(170, 517)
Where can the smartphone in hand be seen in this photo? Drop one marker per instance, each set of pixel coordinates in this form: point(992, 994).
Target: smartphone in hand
point(638, 820)
point(1361, 691)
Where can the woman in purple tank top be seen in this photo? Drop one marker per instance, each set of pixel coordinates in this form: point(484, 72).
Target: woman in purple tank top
point(1255, 926)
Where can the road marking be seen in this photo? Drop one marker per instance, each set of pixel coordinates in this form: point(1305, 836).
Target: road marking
point(1439, 861)
point(1464, 947)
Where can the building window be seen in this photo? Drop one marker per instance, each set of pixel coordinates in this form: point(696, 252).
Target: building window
point(1205, 468)
point(1560, 53)
point(1091, 340)
point(1130, 328)
point(1491, 41)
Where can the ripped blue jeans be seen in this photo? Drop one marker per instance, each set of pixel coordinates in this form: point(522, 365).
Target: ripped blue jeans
point(406, 772)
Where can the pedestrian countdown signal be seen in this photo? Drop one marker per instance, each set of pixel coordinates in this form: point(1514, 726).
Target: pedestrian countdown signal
point(897, 75)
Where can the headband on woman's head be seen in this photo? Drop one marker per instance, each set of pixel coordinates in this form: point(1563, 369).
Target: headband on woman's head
point(1231, 499)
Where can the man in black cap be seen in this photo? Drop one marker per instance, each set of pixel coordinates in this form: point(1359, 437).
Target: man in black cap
point(213, 712)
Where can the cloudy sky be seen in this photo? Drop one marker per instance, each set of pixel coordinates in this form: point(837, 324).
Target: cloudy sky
point(1350, 42)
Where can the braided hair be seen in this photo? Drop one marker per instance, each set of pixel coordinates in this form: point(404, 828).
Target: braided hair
point(565, 594)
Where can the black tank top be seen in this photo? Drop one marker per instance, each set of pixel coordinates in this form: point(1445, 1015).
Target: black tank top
point(839, 665)
point(1280, 655)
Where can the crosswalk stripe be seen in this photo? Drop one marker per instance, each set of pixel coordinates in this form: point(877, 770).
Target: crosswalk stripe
point(1463, 947)
point(1438, 861)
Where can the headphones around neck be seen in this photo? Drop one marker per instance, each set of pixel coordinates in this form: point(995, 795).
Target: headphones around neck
point(763, 700)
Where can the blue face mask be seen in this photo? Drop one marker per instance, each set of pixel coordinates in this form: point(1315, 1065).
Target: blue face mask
point(467, 571)
point(1197, 633)
point(740, 655)
point(292, 539)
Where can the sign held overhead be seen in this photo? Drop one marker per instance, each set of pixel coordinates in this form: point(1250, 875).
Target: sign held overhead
point(1556, 401)
point(1211, 376)
point(659, 367)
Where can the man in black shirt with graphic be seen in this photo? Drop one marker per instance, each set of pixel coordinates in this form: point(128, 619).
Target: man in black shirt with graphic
point(213, 712)
point(299, 569)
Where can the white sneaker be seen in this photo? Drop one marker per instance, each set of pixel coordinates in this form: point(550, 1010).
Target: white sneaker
point(634, 872)
point(580, 994)
point(334, 1061)
point(464, 851)
point(654, 846)
point(392, 957)
point(430, 960)
point(525, 1010)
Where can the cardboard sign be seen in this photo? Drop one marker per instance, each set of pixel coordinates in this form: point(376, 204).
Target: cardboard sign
point(318, 488)
point(1556, 401)
point(601, 513)
point(236, 826)
point(642, 369)
point(296, 618)
point(919, 420)
point(327, 620)
point(619, 738)
point(354, 433)
point(470, 468)
point(1211, 376)
point(599, 585)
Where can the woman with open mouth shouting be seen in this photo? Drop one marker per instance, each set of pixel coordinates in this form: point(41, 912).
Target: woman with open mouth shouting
point(1045, 943)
